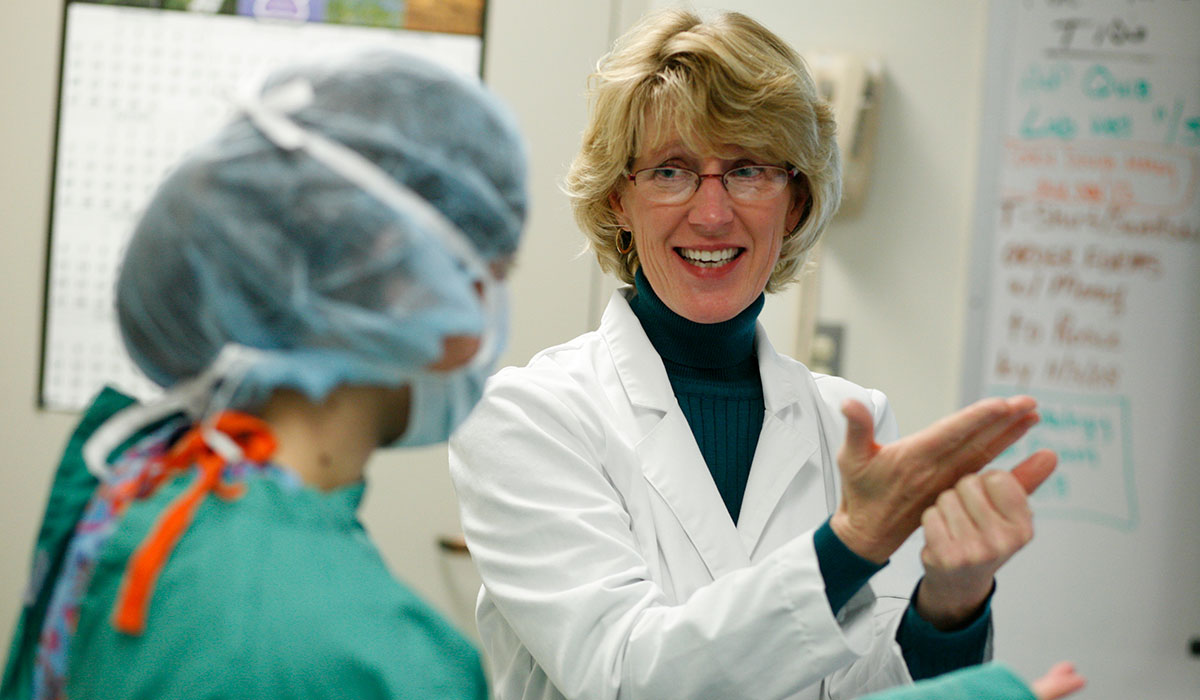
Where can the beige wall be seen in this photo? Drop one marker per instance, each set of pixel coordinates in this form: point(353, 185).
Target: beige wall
point(29, 440)
point(894, 274)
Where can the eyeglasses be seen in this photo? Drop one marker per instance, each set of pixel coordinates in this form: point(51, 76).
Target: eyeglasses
point(745, 183)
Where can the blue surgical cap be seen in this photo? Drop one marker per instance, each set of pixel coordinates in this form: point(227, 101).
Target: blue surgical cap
point(252, 245)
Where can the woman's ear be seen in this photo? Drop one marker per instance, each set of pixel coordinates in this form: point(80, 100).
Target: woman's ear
point(618, 209)
point(800, 207)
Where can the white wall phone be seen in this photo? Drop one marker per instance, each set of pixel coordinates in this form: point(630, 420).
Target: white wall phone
point(852, 84)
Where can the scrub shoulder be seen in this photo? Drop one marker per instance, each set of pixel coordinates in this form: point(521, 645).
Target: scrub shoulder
point(280, 594)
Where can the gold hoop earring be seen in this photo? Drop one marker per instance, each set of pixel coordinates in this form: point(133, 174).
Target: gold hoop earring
point(624, 250)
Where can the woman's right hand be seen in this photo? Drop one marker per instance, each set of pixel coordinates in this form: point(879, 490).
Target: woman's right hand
point(1059, 682)
point(885, 488)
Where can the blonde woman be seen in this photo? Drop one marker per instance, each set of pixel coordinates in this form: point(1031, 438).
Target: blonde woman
point(655, 508)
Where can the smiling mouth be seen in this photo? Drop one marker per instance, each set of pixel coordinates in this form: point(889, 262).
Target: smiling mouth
point(709, 258)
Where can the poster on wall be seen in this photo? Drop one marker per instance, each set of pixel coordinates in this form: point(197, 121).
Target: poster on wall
point(143, 81)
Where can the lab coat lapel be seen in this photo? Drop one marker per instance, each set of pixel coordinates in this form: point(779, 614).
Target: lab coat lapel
point(667, 451)
point(787, 447)
point(675, 468)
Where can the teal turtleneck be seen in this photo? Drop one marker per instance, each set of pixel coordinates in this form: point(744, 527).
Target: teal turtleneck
point(713, 370)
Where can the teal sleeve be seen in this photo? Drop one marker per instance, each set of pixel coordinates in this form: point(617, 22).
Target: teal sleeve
point(992, 681)
point(844, 571)
point(930, 652)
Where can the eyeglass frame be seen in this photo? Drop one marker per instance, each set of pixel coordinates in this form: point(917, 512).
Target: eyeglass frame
point(792, 172)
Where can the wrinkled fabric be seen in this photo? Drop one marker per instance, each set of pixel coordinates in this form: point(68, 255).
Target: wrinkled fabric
point(249, 244)
point(100, 519)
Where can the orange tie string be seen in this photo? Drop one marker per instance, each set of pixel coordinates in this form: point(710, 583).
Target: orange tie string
point(137, 586)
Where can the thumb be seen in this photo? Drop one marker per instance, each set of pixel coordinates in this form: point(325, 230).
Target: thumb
point(860, 430)
point(1035, 469)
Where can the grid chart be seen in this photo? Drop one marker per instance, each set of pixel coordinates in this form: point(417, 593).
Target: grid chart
point(139, 88)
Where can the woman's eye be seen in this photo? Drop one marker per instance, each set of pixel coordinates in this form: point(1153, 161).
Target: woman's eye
point(669, 173)
point(747, 172)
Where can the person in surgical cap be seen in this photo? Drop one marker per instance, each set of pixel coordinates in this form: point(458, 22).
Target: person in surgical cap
point(322, 278)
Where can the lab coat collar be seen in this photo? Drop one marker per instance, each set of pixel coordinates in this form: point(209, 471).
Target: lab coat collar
point(782, 389)
point(672, 461)
point(638, 364)
point(645, 379)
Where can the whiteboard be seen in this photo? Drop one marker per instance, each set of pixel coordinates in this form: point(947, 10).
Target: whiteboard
point(1085, 292)
point(139, 88)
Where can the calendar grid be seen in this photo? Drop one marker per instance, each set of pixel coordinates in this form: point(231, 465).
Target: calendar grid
point(139, 87)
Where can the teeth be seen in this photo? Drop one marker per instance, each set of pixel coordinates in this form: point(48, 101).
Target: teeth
point(713, 257)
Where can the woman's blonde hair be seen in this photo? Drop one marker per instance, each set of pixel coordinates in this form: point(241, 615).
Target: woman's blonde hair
point(718, 81)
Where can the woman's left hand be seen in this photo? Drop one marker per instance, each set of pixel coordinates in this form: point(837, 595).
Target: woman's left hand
point(970, 532)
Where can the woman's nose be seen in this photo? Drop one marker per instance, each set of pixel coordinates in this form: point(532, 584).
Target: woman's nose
point(710, 205)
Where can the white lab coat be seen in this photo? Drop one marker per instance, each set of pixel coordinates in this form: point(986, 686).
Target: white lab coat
point(610, 566)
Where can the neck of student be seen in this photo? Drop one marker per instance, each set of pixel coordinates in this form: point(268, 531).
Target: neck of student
point(327, 443)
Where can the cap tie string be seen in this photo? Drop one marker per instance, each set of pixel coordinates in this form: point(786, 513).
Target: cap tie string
point(257, 444)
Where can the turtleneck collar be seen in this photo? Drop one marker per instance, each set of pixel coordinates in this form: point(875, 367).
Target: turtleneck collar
point(698, 345)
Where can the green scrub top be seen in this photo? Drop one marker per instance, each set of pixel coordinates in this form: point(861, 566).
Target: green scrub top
point(992, 681)
point(278, 594)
